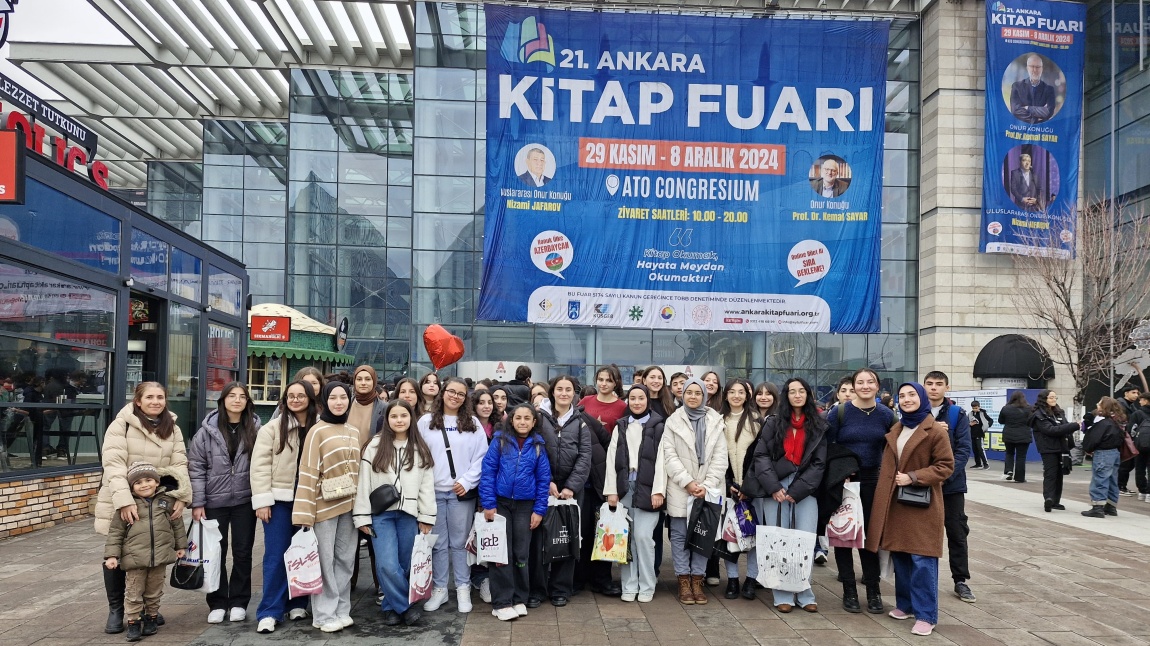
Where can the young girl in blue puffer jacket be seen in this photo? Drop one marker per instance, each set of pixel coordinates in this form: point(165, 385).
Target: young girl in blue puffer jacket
point(515, 481)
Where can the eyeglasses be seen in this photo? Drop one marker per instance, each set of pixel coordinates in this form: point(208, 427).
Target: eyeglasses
point(454, 393)
point(295, 398)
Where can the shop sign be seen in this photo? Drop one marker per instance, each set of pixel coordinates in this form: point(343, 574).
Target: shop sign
point(6, 9)
point(271, 328)
point(30, 116)
point(11, 168)
point(341, 335)
point(137, 311)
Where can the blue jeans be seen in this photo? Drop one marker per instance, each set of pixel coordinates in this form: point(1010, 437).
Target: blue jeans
point(453, 519)
point(394, 536)
point(916, 585)
point(806, 519)
point(1104, 477)
point(278, 533)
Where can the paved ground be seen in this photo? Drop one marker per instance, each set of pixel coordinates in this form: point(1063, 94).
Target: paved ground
point(1040, 578)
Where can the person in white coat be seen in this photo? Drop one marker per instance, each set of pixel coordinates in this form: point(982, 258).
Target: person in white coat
point(694, 449)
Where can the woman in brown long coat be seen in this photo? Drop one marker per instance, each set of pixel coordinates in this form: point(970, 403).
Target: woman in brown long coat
point(917, 454)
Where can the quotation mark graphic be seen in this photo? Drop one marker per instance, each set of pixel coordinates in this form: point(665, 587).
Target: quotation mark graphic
point(680, 237)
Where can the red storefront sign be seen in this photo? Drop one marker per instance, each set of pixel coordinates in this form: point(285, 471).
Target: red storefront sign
point(271, 328)
point(11, 167)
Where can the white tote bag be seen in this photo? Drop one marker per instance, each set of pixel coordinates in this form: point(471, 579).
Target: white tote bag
point(786, 556)
point(419, 576)
point(204, 549)
point(846, 525)
point(491, 539)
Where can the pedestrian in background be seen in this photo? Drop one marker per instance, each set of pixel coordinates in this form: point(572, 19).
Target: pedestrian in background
point(1016, 435)
point(1104, 439)
point(980, 423)
point(1052, 439)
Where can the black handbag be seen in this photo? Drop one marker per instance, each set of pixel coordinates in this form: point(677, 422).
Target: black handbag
point(385, 495)
point(188, 577)
point(470, 494)
point(913, 495)
point(1067, 464)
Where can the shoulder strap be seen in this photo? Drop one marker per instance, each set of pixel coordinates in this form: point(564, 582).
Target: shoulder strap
point(952, 413)
point(447, 446)
point(840, 413)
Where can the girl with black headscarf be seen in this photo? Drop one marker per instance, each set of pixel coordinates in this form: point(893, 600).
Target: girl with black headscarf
point(324, 497)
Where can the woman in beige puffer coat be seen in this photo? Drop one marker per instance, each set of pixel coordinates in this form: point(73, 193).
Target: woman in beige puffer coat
point(143, 431)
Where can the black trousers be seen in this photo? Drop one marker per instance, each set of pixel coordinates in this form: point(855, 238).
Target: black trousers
point(844, 556)
point(1141, 462)
point(510, 583)
point(1052, 477)
point(957, 529)
point(1016, 460)
point(1124, 470)
point(590, 574)
point(235, 591)
point(979, 453)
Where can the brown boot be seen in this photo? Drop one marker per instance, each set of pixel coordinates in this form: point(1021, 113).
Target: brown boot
point(697, 590)
point(686, 595)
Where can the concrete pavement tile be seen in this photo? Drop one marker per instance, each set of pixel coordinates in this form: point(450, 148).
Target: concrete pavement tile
point(827, 637)
point(583, 639)
point(1015, 637)
point(860, 626)
point(528, 632)
point(880, 641)
point(770, 629)
point(1084, 626)
point(1119, 640)
point(966, 636)
point(627, 625)
point(613, 608)
point(783, 642)
point(1065, 639)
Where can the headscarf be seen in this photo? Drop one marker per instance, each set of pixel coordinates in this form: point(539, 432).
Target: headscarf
point(641, 417)
point(698, 418)
point(914, 418)
point(325, 414)
point(370, 398)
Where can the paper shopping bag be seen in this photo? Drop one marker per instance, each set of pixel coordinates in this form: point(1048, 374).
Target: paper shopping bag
point(491, 539)
point(302, 562)
point(612, 535)
point(845, 527)
point(419, 576)
point(204, 550)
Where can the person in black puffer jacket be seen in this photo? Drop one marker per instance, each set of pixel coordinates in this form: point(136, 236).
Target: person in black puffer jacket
point(1052, 439)
point(1141, 432)
point(1103, 440)
point(568, 440)
point(1015, 418)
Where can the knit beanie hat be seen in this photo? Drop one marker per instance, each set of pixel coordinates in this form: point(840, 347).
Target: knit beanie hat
point(140, 470)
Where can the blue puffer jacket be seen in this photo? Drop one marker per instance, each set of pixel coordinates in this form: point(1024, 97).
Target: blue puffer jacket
point(515, 473)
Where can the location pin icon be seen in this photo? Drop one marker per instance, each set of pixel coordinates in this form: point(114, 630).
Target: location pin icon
point(612, 184)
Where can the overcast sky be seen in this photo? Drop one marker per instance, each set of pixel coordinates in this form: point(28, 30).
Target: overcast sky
point(55, 21)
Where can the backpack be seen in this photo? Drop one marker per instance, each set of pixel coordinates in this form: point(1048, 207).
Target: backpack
point(952, 413)
point(1141, 435)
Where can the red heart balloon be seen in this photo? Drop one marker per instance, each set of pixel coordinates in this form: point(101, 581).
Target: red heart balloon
point(443, 347)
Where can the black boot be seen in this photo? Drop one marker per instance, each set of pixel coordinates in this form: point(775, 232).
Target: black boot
point(134, 631)
point(749, 586)
point(851, 597)
point(732, 589)
point(873, 599)
point(1095, 512)
point(114, 587)
point(148, 625)
point(1110, 509)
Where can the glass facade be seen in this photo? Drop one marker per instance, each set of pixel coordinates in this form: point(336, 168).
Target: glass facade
point(368, 203)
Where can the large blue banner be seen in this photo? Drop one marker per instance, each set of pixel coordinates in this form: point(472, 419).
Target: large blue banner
point(1035, 53)
point(683, 172)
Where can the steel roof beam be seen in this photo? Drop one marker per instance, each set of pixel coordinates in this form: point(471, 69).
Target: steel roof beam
point(257, 85)
point(168, 38)
point(149, 88)
point(74, 53)
point(127, 142)
point(220, 82)
point(123, 21)
point(328, 13)
point(242, 41)
point(318, 42)
point(165, 84)
point(176, 21)
point(266, 42)
point(365, 40)
point(171, 146)
point(277, 82)
point(168, 130)
point(216, 95)
point(122, 85)
point(389, 41)
point(63, 77)
point(214, 36)
point(408, 20)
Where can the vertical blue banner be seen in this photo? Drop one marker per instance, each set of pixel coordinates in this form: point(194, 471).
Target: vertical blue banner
point(683, 172)
point(1035, 55)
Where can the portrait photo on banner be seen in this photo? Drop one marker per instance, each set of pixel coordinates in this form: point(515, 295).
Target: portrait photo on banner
point(830, 176)
point(535, 165)
point(1030, 176)
point(1034, 88)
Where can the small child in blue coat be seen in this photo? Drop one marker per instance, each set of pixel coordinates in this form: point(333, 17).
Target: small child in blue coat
point(515, 480)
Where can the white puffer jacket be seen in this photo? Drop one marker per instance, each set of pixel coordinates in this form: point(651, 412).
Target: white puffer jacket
point(682, 463)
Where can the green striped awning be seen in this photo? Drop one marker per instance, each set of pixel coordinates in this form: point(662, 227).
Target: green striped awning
point(259, 350)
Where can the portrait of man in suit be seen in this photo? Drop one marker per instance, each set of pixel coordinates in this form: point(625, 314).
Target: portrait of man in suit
point(536, 167)
point(1031, 99)
point(1025, 189)
point(828, 183)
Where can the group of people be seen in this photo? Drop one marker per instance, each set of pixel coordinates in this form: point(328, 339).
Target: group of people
point(445, 454)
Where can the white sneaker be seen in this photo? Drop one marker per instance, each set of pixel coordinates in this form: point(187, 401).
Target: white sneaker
point(485, 591)
point(505, 614)
point(237, 614)
point(266, 625)
point(346, 621)
point(438, 598)
point(217, 616)
point(520, 609)
point(332, 626)
point(712, 581)
point(629, 596)
point(295, 614)
point(463, 598)
point(646, 597)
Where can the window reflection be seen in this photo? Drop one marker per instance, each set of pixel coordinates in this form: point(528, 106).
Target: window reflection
point(38, 304)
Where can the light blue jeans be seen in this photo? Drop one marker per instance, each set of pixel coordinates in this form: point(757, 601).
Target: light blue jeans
point(807, 519)
point(394, 537)
point(639, 574)
point(1104, 477)
point(453, 519)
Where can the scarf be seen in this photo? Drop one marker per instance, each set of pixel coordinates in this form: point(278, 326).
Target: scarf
point(698, 419)
point(646, 413)
point(794, 443)
point(327, 415)
point(911, 419)
point(369, 398)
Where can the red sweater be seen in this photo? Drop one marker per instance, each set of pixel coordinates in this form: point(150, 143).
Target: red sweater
point(607, 414)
